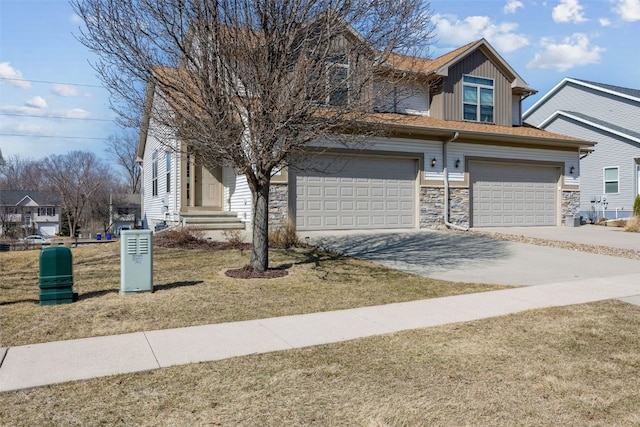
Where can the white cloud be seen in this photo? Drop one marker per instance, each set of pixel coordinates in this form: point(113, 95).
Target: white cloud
point(67, 90)
point(574, 51)
point(76, 19)
point(75, 113)
point(604, 22)
point(454, 32)
point(629, 10)
point(20, 110)
point(37, 102)
point(568, 11)
point(512, 6)
point(13, 76)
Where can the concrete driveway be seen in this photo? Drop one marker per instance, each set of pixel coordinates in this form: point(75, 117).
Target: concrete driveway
point(465, 258)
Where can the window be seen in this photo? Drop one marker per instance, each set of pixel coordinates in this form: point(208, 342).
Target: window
point(477, 99)
point(334, 88)
point(50, 211)
point(154, 173)
point(611, 180)
point(168, 169)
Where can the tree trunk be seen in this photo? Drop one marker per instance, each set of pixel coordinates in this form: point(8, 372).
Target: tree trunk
point(260, 251)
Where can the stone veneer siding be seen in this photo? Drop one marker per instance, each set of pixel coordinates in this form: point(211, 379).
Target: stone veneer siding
point(570, 204)
point(432, 207)
point(278, 204)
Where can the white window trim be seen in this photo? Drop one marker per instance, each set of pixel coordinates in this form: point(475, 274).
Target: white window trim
point(478, 86)
point(154, 173)
point(604, 179)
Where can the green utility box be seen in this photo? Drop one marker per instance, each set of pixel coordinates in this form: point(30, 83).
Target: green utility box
point(56, 276)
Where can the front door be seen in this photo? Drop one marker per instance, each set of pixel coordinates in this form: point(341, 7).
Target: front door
point(208, 187)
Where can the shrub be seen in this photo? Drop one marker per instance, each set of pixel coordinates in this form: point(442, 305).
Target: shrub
point(180, 237)
point(234, 239)
point(284, 237)
point(633, 225)
point(636, 206)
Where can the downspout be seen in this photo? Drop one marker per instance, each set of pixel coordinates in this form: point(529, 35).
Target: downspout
point(445, 176)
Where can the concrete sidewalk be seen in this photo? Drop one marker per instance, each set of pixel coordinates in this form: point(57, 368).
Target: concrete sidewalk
point(49, 363)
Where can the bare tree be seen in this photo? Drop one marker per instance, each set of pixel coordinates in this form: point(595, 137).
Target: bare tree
point(22, 174)
point(123, 149)
point(251, 83)
point(76, 176)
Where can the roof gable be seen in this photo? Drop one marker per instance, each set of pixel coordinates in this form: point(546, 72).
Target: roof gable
point(631, 94)
point(595, 123)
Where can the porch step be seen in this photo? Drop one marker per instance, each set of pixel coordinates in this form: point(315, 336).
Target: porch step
point(212, 220)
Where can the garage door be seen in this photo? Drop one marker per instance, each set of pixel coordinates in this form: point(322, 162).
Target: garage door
point(47, 230)
point(504, 195)
point(358, 193)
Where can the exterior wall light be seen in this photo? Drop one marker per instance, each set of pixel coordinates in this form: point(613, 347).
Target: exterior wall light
point(572, 170)
point(457, 163)
point(433, 162)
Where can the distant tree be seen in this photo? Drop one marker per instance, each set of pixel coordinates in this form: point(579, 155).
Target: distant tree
point(76, 177)
point(123, 148)
point(250, 83)
point(22, 174)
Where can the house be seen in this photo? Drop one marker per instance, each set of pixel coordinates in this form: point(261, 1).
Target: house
point(455, 152)
point(609, 115)
point(124, 212)
point(29, 212)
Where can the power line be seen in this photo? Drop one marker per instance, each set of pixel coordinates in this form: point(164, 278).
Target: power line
point(55, 117)
point(49, 82)
point(52, 136)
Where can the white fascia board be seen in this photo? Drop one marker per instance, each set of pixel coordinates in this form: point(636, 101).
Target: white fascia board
point(587, 122)
point(544, 99)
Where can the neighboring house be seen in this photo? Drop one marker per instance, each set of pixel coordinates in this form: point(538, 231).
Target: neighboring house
point(609, 115)
point(29, 212)
point(124, 212)
point(455, 153)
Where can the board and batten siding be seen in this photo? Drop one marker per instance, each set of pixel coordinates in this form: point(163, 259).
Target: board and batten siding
point(448, 101)
point(611, 151)
point(237, 195)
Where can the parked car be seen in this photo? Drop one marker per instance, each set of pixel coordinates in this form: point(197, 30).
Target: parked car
point(35, 239)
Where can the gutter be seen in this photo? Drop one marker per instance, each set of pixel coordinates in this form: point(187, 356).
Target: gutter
point(445, 176)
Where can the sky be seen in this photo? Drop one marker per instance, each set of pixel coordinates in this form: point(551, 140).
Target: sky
point(52, 102)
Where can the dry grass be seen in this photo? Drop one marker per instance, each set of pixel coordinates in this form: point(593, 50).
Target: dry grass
point(633, 224)
point(190, 290)
point(571, 366)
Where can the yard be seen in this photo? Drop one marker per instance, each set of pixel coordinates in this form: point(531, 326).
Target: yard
point(576, 365)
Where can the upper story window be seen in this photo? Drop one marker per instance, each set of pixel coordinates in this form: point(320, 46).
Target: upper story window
point(611, 180)
point(154, 173)
point(334, 88)
point(477, 99)
point(168, 169)
point(48, 211)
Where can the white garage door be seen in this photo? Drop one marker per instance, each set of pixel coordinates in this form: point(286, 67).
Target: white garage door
point(504, 195)
point(47, 230)
point(356, 193)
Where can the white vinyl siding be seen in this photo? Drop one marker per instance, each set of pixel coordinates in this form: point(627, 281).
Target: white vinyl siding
point(237, 195)
point(404, 98)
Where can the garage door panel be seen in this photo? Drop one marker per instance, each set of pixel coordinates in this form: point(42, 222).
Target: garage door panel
point(513, 195)
point(361, 193)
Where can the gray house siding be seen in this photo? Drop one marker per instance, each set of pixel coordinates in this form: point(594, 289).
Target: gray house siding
point(607, 107)
point(611, 151)
point(476, 64)
point(611, 120)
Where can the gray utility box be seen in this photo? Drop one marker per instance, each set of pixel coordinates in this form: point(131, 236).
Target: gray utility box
point(572, 221)
point(136, 261)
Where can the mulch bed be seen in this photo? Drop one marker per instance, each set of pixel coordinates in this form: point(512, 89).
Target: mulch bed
point(247, 273)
